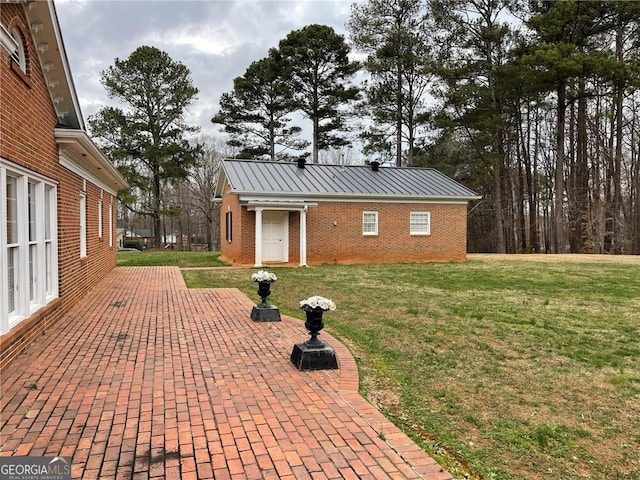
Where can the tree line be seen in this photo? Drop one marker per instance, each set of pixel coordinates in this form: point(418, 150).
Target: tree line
point(531, 103)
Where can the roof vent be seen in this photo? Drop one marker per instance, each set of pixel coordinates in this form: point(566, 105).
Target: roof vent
point(301, 162)
point(375, 165)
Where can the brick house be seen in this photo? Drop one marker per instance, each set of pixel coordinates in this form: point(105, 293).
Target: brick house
point(57, 190)
point(299, 213)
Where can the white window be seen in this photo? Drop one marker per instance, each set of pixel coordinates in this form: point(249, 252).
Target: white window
point(100, 218)
point(111, 224)
point(83, 224)
point(28, 244)
point(369, 223)
point(420, 223)
point(32, 200)
point(10, 240)
point(50, 229)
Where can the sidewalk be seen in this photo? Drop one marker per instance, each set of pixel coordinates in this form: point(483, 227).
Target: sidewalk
point(145, 378)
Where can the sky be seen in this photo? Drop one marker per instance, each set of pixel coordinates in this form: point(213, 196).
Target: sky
point(215, 39)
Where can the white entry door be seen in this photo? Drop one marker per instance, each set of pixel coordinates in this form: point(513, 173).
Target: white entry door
point(275, 236)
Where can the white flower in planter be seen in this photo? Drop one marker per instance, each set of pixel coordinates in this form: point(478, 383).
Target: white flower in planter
point(317, 303)
point(264, 276)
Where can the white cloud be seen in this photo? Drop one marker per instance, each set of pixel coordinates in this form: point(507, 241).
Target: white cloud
point(206, 40)
point(216, 39)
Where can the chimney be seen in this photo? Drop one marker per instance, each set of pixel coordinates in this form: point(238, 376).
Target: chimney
point(301, 162)
point(375, 165)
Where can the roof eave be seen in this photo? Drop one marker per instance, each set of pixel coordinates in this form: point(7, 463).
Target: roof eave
point(269, 196)
point(49, 46)
point(220, 184)
point(79, 149)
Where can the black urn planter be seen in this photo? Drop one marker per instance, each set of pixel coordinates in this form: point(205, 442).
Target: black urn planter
point(264, 290)
point(314, 354)
point(263, 312)
point(314, 324)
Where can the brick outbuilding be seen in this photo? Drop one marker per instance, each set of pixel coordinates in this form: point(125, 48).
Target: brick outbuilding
point(297, 213)
point(57, 190)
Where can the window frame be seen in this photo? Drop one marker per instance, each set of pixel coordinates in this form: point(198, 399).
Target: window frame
point(10, 252)
point(9, 42)
point(83, 224)
point(413, 223)
point(366, 224)
point(33, 270)
point(19, 55)
point(110, 221)
point(50, 243)
point(100, 218)
point(35, 253)
point(228, 220)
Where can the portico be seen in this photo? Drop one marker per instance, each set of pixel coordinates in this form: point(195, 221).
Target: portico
point(272, 230)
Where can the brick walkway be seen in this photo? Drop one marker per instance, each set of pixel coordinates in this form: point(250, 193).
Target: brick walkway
point(148, 379)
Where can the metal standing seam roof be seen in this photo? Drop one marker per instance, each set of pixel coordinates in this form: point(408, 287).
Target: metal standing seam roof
point(265, 178)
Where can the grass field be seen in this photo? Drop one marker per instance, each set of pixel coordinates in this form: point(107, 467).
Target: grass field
point(500, 369)
point(169, 257)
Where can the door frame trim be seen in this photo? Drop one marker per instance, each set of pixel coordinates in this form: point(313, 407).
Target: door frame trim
point(283, 216)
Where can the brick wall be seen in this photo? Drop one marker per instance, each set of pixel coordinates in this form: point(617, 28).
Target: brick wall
point(334, 233)
point(27, 117)
point(27, 122)
point(231, 251)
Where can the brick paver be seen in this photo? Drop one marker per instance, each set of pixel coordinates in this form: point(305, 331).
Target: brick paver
point(145, 378)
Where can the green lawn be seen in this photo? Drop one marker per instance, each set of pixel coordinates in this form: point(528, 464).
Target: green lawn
point(504, 369)
point(169, 257)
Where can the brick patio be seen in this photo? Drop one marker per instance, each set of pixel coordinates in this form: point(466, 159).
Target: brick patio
point(145, 378)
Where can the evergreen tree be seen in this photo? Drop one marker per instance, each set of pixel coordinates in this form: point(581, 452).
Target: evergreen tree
point(320, 74)
point(567, 53)
point(146, 138)
point(396, 39)
point(477, 43)
point(255, 112)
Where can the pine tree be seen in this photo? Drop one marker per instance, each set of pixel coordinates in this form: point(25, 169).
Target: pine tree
point(320, 74)
point(255, 113)
point(147, 138)
point(567, 53)
point(396, 39)
point(473, 92)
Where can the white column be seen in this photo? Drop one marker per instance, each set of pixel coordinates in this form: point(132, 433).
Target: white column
point(303, 237)
point(258, 237)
